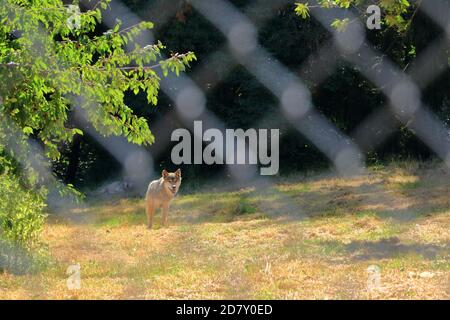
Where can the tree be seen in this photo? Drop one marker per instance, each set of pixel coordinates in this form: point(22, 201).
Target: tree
point(53, 58)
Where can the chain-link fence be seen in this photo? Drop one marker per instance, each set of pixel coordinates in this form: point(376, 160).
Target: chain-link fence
point(240, 28)
point(402, 89)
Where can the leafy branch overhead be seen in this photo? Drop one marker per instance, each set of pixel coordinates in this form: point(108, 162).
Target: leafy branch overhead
point(51, 53)
point(394, 12)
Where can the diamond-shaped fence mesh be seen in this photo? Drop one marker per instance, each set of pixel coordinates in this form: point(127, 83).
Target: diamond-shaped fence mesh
point(401, 89)
point(242, 48)
point(239, 27)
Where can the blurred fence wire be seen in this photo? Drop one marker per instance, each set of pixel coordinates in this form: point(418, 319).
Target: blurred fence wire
point(240, 28)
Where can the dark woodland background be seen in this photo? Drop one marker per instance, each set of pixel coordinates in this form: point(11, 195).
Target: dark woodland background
point(346, 98)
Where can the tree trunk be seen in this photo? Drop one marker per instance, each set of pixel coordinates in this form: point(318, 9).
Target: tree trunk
point(74, 159)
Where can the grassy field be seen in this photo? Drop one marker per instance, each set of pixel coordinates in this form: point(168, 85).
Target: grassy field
point(302, 238)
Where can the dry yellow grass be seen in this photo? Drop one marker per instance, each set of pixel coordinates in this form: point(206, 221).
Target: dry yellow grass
point(312, 239)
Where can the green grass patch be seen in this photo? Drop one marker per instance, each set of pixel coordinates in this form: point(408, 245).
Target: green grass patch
point(409, 185)
point(122, 220)
point(244, 207)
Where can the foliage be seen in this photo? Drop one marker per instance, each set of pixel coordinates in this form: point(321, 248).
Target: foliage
point(340, 25)
point(302, 9)
point(393, 11)
point(53, 61)
point(21, 212)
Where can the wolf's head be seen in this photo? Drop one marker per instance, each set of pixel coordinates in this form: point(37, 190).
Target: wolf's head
point(172, 181)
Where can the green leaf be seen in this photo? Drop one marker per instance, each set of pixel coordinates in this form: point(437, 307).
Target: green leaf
point(340, 25)
point(27, 130)
point(302, 9)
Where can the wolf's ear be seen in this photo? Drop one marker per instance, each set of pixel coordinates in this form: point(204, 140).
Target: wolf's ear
point(178, 173)
point(165, 174)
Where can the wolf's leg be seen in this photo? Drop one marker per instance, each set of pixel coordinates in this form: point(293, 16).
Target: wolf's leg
point(165, 213)
point(150, 210)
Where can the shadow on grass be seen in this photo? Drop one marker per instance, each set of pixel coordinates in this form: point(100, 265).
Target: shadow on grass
point(391, 248)
point(363, 250)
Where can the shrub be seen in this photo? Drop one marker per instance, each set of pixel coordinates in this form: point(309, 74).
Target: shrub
point(21, 220)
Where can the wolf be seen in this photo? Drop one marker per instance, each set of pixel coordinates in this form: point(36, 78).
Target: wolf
point(160, 193)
